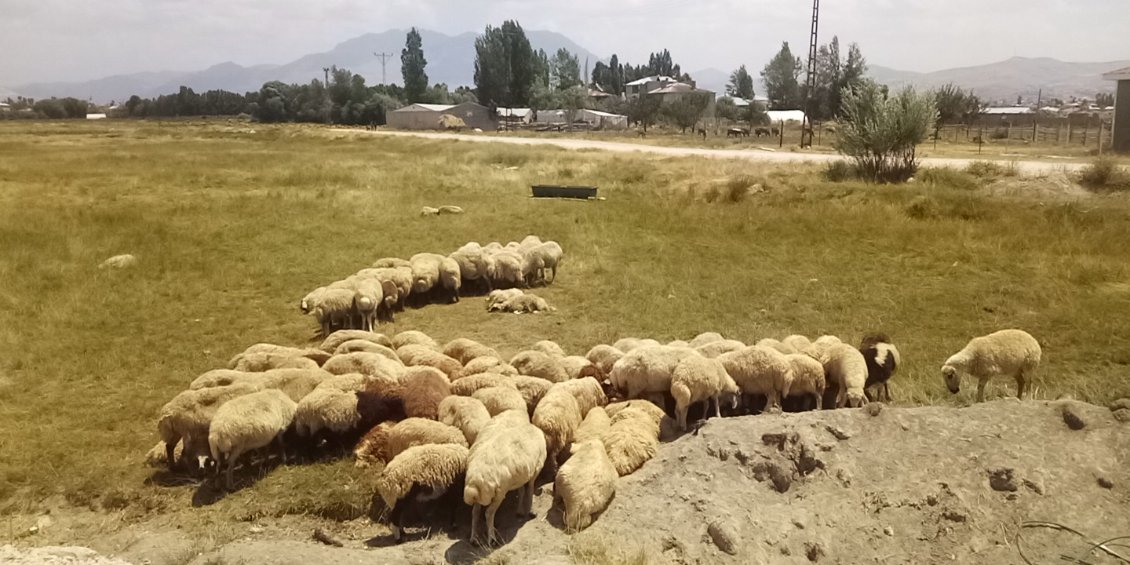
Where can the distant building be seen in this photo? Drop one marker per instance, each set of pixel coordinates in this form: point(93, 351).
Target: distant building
point(515, 115)
point(594, 119)
point(1007, 111)
point(96, 116)
point(776, 116)
point(428, 116)
point(647, 85)
point(1120, 131)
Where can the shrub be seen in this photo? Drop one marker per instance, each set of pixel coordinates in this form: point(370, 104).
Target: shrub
point(840, 171)
point(881, 133)
point(945, 177)
point(1104, 174)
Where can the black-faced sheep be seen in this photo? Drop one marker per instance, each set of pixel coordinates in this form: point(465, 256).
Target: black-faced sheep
point(1007, 353)
point(882, 361)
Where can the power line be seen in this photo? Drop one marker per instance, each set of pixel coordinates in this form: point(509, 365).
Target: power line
point(384, 60)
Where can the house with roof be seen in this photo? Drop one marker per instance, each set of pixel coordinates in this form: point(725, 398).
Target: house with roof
point(430, 116)
point(647, 85)
point(1120, 131)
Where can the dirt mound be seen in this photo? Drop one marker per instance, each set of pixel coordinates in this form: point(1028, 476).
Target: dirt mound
point(1053, 186)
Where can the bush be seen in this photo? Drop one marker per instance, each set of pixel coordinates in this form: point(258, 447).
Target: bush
point(1104, 174)
point(946, 177)
point(840, 171)
point(881, 133)
point(991, 170)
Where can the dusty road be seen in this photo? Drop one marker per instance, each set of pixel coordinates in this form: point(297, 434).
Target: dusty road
point(1026, 168)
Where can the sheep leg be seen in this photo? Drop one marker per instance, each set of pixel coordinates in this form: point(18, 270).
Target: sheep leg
point(717, 406)
point(1021, 384)
point(476, 517)
point(491, 511)
point(841, 396)
point(681, 417)
point(886, 392)
point(282, 447)
point(981, 389)
point(171, 454)
point(231, 467)
point(554, 271)
point(528, 499)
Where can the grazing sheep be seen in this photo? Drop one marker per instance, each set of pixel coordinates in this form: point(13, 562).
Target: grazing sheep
point(474, 265)
point(331, 306)
point(604, 357)
point(882, 361)
point(594, 426)
point(400, 277)
point(705, 338)
point(797, 342)
point(585, 484)
point(420, 355)
point(647, 369)
point(464, 350)
point(845, 366)
point(366, 346)
point(760, 370)
point(390, 263)
point(344, 406)
point(487, 365)
point(419, 474)
point(633, 437)
point(450, 277)
point(334, 340)
point(538, 364)
point(467, 386)
point(587, 391)
point(626, 344)
point(779, 346)
point(507, 455)
point(414, 337)
point(532, 390)
point(367, 299)
point(259, 362)
point(295, 383)
point(225, 377)
point(557, 415)
point(391, 301)
point(371, 364)
point(545, 257)
point(579, 367)
point(1006, 353)
point(249, 422)
point(425, 272)
point(389, 439)
point(429, 211)
point(807, 377)
point(499, 399)
point(508, 270)
point(465, 413)
point(819, 348)
point(548, 347)
point(497, 298)
point(717, 348)
point(697, 379)
point(423, 389)
point(275, 351)
point(678, 343)
point(189, 415)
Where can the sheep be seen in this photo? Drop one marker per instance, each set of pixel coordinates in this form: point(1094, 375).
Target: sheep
point(696, 379)
point(486, 365)
point(449, 209)
point(604, 357)
point(332, 307)
point(845, 366)
point(760, 370)
point(499, 297)
point(585, 484)
point(499, 399)
point(249, 422)
point(467, 386)
point(465, 413)
point(421, 355)
point(819, 348)
point(705, 338)
point(368, 297)
point(474, 265)
point(538, 364)
point(423, 389)
point(546, 256)
point(371, 364)
point(413, 337)
point(508, 454)
point(807, 377)
point(557, 415)
point(633, 437)
point(678, 343)
point(276, 351)
point(400, 277)
point(225, 377)
point(668, 428)
point(391, 301)
point(532, 390)
point(579, 367)
point(464, 350)
point(157, 457)
point(429, 211)
point(587, 391)
point(429, 271)
point(259, 362)
point(647, 369)
point(594, 426)
point(508, 270)
point(524, 304)
point(882, 361)
point(366, 346)
point(346, 404)
point(188, 416)
point(422, 473)
point(450, 277)
point(389, 439)
point(717, 348)
point(296, 383)
point(779, 346)
point(548, 347)
point(334, 340)
point(797, 342)
point(390, 263)
point(1005, 353)
point(626, 344)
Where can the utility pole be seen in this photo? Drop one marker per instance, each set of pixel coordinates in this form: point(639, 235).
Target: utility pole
point(326, 91)
point(806, 124)
point(1036, 115)
point(384, 60)
point(326, 70)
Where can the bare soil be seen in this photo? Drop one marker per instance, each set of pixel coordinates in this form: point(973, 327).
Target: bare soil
point(990, 483)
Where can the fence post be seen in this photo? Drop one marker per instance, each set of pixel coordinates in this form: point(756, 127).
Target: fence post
point(980, 139)
point(1101, 138)
point(781, 124)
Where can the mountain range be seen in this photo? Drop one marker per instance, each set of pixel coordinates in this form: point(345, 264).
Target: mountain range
point(451, 61)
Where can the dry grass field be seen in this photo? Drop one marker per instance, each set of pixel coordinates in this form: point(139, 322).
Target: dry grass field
point(234, 222)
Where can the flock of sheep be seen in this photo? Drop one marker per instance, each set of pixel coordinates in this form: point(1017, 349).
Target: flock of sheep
point(459, 424)
point(361, 300)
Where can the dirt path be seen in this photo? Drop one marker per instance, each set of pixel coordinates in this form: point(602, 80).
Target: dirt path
point(766, 155)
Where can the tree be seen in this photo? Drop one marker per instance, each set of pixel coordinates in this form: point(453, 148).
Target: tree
point(412, 64)
point(881, 133)
point(956, 106)
point(741, 84)
point(602, 76)
point(780, 77)
point(616, 78)
point(565, 70)
point(1104, 99)
point(506, 68)
point(833, 75)
point(726, 109)
point(686, 110)
point(643, 110)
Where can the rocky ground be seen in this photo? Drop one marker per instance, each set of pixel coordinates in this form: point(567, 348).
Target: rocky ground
point(998, 482)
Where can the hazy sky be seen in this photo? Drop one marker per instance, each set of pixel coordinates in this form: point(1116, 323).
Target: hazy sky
point(48, 40)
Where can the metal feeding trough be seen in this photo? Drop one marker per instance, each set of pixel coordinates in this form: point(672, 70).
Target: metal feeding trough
point(562, 191)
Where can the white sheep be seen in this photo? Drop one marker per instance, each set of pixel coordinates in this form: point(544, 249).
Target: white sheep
point(587, 391)
point(467, 386)
point(779, 346)
point(249, 422)
point(1005, 353)
point(585, 484)
point(425, 272)
point(387, 440)
point(419, 474)
point(678, 343)
point(465, 413)
point(450, 277)
point(225, 377)
point(334, 340)
point(486, 365)
point(366, 346)
point(557, 415)
point(633, 437)
point(647, 369)
point(280, 351)
point(429, 211)
point(507, 455)
point(807, 377)
point(797, 342)
point(705, 338)
point(498, 297)
point(188, 416)
point(532, 389)
point(332, 306)
point(422, 355)
point(464, 350)
point(882, 361)
point(544, 257)
point(538, 364)
point(499, 399)
point(697, 379)
point(760, 370)
point(549, 347)
point(524, 304)
point(626, 344)
point(414, 337)
point(475, 264)
point(371, 364)
point(716, 348)
point(594, 426)
point(390, 263)
point(604, 357)
point(845, 366)
point(578, 367)
point(400, 277)
point(508, 269)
